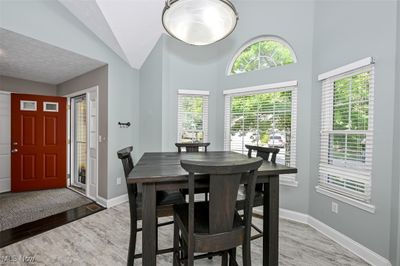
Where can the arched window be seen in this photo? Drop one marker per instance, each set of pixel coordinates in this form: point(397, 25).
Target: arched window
point(262, 53)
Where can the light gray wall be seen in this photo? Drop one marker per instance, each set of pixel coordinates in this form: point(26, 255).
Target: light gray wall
point(190, 68)
point(395, 226)
point(150, 95)
point(26, 86)
point(346, 31)
point(123, 103)
point(97, 77)
point(50, 22)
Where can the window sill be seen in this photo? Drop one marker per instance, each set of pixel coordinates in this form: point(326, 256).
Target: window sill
point(356, 203)
point(289, 183)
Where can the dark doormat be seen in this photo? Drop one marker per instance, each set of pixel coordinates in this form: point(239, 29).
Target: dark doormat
point(24, 207)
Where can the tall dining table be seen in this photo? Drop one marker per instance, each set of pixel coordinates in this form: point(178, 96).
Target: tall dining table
point(157, 171)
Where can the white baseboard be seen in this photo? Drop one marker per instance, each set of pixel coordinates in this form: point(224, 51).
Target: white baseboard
point(117, 200)
point(102, 201)
point(363, 252)
point(5, 185)
point(112, 202)
point(293, 216)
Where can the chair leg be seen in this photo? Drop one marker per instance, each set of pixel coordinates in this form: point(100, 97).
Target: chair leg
point(156, 235)
point(224, 260)
point(132, 243)
point(185, 254)
point(232, 258)
point(190, 258)
point(176, 245)
point(246, 253)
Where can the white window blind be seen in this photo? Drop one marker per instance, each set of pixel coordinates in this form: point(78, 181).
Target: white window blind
point(263, 118)
point(192, 117)
point(347, 134)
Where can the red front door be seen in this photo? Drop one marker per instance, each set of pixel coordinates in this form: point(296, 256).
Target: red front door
point(38, 142)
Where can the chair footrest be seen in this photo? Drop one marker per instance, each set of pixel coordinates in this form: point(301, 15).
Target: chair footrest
point(158, 225)
point(159, 252)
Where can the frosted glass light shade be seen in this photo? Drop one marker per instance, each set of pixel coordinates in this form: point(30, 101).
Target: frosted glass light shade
point(199, 22)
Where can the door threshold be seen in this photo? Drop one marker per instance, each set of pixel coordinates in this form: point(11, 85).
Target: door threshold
point(81, 192)
point(78, 190)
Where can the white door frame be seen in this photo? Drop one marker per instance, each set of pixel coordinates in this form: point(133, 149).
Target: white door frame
point(70, 155)
point(5, 184)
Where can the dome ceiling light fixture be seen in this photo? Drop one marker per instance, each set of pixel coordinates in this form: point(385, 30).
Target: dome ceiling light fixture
point(199, 22)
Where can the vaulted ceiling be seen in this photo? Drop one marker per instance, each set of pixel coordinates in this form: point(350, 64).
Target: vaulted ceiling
point(130, 28)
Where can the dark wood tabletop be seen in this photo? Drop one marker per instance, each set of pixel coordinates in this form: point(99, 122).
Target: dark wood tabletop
point(156, 167)
point(162, 171)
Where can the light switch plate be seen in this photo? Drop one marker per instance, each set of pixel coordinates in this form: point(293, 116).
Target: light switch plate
point(335, 207)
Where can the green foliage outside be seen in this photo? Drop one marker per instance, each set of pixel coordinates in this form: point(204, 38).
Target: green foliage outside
point(263, 115)
point(261, 55)
point(350, 112)
point(192, 122)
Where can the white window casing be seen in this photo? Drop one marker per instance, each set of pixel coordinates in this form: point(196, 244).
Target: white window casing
point(346, 151)
point(28, 105)
point(261, 54)
point(202, 127)
point(290, 86)
point(349, 67)
point(50, 106)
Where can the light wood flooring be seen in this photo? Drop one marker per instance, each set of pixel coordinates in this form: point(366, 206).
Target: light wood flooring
point(102, 239)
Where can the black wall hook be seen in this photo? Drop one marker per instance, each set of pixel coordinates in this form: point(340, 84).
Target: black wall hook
point(124, 125)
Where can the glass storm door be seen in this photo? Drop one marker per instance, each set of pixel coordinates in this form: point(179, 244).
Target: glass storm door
point(79, 131)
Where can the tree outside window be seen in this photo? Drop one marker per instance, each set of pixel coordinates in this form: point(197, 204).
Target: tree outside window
point(267, 53)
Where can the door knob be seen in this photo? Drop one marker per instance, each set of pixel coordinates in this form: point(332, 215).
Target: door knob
point(15, 143)
point(14, 150)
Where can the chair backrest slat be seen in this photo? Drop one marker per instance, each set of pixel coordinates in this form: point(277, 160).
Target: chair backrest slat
point(127, 162)
point(223, 194)
point(192, 147)
point(225, 178)
point(263, 152)
point(125, 156)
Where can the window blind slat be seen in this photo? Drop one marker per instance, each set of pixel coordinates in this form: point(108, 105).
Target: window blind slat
point(264, 118)
point(347, 133)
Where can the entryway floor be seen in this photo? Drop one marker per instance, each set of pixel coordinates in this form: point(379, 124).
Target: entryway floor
point(25, 214)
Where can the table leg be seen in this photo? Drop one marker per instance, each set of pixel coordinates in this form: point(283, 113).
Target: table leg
point(271, 222)
point(149, 220)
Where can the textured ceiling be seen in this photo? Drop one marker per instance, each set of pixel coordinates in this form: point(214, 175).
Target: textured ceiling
point(27, 58)
point(133, 26)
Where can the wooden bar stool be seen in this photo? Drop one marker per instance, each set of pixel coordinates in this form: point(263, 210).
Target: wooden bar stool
point(215, 227)
point(165, 203)
point(269, 155)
